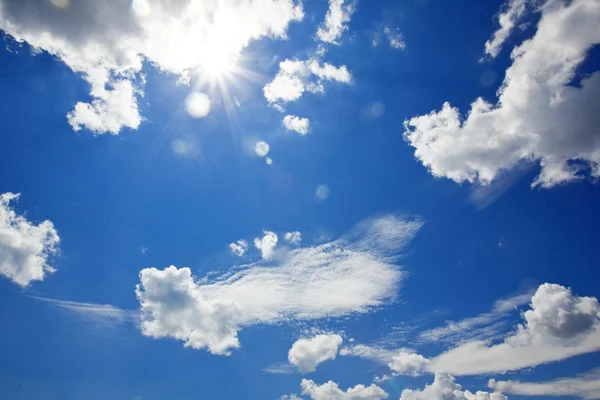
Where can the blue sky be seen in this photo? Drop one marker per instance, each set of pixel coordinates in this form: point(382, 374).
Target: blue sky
point(271, 200)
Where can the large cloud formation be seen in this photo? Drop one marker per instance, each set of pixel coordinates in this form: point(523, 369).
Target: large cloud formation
point(107, 41)
point(558, 325)
point(24, 247)
point(540, 114)
point(353, 274)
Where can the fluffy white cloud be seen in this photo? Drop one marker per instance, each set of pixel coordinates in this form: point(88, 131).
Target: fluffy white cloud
point(107, 41)
point(394, 38)
point(331, 391)
point(267, 244)
point(239, 248)
point(508, 19)
point(293, 237)
point(539, 116)
point(353, 274)
point(444, 387)
point(336, 20)
point(559, 325)
point(24, 246)
point(297, 124)
point(297, 76)
point(585, 386)
point(306, 354)
point(405, 363)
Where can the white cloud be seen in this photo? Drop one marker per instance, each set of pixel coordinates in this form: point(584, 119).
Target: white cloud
point(24, 247)
point(538, 117)
point(267, 244)
point(444, 387)
point(331, 391)
point(262, 148)
point(239, 248)
point(559, 325)
point(508, 19)
point(306, 354)
point(394, 38)
point(290, 397)
point(280, 369)
point(322, 192)
point(585, 386)
point(293, 237)
point(484, 326)
point(336, 21)
point(405, 363)
point(107, 43)
point(353, 274)
point(297, 124)
point(102, 314)
point(297, 76)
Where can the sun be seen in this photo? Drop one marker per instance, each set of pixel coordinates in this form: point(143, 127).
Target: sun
point(218, 62)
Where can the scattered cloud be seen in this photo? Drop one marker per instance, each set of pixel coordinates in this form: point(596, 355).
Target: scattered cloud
point(483, 326)
point(331, 390)
point(405, 363)
point(306, 354)
point(293, 237)
point(508, 20)
point(107, 42)
point(101, 314)
point(25, 248)
point(267, 244)
point(296, 124)
point(444, 387)
point(401, 361)
point(353, 274)
point(336, 20)
point(375, 353)
point(394, 38)
point(322, 192)
point(296, 77)
point(558, 325)
point(280, 369)
point(539, 115)
point(239, 248)
point(585, 386)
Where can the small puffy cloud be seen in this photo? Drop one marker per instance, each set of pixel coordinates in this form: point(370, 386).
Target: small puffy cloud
point(558, 325)
point(322, 192)
point(508, 20)
point(353, 274)
point(394, 38)
point(296, 77)
point(296, 124)
point(239, 248)
point(405, 363)
point(331, 391)
point(107, 42)
point(24, 246)
point(306, 354)
point(585, 386)
point(444, 387)
point(293, 237)
point(267, 244)
point(539, 115)
point(336, 20)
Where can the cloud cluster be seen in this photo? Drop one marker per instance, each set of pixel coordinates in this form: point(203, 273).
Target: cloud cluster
point(306, 354)
point(444, 387)
point(585, 386)
point(336, 19)
point(24, 247)
point(331, 390)
point(539, 116)
point(293, 238)
point(558, 325)
point(405, 363)
point(108, 41)
point(298, 76)
point(349, 275)
point(296, 124)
